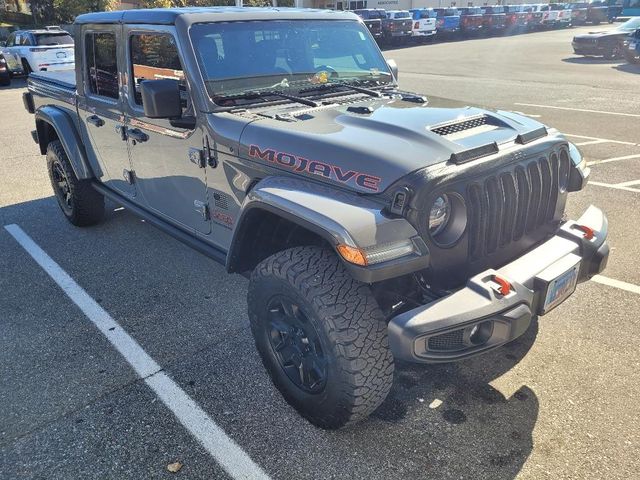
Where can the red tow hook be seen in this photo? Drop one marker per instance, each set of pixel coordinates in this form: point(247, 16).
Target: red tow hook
point(587, 232)
point(505, 286)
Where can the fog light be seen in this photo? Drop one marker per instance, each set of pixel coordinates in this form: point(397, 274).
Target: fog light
point(480, 333)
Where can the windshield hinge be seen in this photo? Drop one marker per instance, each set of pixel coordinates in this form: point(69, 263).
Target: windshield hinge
point(210, 154)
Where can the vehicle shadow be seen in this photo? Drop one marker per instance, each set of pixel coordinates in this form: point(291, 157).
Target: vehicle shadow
point(591, 60)
point(628, 68)
point(456, 406)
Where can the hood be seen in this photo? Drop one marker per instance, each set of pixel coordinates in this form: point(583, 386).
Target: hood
point(610, 33)
point(368, 145)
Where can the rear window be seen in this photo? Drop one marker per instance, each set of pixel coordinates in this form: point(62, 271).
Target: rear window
point(45, 39)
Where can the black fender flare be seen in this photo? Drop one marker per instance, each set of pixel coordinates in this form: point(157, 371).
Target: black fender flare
point(61, 122)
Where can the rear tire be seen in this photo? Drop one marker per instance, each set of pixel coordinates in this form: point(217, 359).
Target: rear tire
point(78, 200)
point(321, 335)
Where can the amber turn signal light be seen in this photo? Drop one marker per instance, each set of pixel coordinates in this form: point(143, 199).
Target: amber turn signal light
point(352, 255)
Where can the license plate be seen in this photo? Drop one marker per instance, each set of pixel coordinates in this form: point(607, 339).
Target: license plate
point(560, 288)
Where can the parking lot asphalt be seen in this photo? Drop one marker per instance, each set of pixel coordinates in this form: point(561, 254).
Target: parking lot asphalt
point(560, 402)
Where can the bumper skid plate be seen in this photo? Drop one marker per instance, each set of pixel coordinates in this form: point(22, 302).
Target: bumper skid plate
point(479, 317)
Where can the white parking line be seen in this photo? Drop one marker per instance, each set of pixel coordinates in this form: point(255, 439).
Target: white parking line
point(614, 186)
point(578, 109)
point(629, 287)
point(590, 142)
point(628, 184)
point(221, 447)
point(615, 159)
point(603, 140)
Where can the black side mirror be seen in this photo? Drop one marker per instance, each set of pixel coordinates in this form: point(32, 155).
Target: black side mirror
point(393, 66)
point(161, 98)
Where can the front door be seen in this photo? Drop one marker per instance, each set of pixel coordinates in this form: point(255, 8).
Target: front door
point(170, 180)
point(101, 108)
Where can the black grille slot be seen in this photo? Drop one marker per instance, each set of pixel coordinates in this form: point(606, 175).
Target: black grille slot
point(447, 342)
point(505, 207)
point(468, 124)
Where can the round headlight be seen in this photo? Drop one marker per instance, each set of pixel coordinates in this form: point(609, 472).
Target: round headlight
point(439, 215)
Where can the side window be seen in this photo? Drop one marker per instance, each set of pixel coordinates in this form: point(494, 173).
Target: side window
point(102, 66)
point(18, 39)
point(26, 41)
point(11, 39)
point(153, 57)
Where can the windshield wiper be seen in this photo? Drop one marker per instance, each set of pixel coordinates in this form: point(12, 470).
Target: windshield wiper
point(262, 94)
point(345, 85)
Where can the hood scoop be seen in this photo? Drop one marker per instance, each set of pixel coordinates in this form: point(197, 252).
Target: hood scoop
point(456, 127)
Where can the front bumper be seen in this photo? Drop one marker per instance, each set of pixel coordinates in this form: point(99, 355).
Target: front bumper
point(442, 331)
point(587, 48)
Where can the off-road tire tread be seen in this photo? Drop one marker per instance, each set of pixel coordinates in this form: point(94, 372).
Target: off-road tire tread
point(355, 325)
point(88, 203)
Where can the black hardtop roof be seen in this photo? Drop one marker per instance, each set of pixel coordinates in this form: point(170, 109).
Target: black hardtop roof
point(168, 16)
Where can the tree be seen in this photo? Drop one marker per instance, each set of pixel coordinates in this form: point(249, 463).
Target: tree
point(65, 11)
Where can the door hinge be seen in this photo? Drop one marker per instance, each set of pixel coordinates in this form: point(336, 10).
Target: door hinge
point(129, 176)
point(202, 208)
point(197, 157)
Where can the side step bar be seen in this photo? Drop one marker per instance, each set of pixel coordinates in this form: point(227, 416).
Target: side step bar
point(177, 233)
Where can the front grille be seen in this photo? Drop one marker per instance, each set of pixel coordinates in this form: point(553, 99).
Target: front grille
point(451, 128)
point(447, 342)
point(505, 207)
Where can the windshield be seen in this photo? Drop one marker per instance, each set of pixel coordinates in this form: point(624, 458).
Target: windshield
point(631, 24)
point(45, 39)
point(240, 57)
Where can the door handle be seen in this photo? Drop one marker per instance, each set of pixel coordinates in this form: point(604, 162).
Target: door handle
point(95, 120)
point(137, 135)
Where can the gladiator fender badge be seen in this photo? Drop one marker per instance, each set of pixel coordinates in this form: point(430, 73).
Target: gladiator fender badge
point(314, 167)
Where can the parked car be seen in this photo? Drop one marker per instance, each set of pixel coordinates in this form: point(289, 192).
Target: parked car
point(447, 21)
point(632, 48)
point(370, 229)
point(564, 18)
point(397, 27)
point(596, 11)
point(534, 13)
point(13, 61)
point(516, 18)
point(42, 50)
point(424, 23)
point(578, 13)
point(471, 20)
point(373, 20)
point(5, 74)
point(494, 19)
point(609, 44)
point(549, 16)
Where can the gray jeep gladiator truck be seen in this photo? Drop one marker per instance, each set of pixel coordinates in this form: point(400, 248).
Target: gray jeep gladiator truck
point(277, 142)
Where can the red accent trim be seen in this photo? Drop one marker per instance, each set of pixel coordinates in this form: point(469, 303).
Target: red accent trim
point(505, 286)
point(588, 232)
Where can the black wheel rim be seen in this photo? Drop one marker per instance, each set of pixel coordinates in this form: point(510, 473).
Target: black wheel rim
point(296, 345)
point(61, 186)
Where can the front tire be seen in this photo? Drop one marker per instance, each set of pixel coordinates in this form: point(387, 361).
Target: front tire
point(81, 204)
point(321, 335)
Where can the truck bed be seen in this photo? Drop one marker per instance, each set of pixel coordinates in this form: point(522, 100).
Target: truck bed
point(63, 79)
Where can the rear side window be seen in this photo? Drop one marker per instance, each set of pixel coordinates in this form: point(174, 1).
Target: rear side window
point(154, 57)
point(102, 66)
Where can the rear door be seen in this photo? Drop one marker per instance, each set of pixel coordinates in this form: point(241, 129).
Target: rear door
point(100, 107)
point(171, 181)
